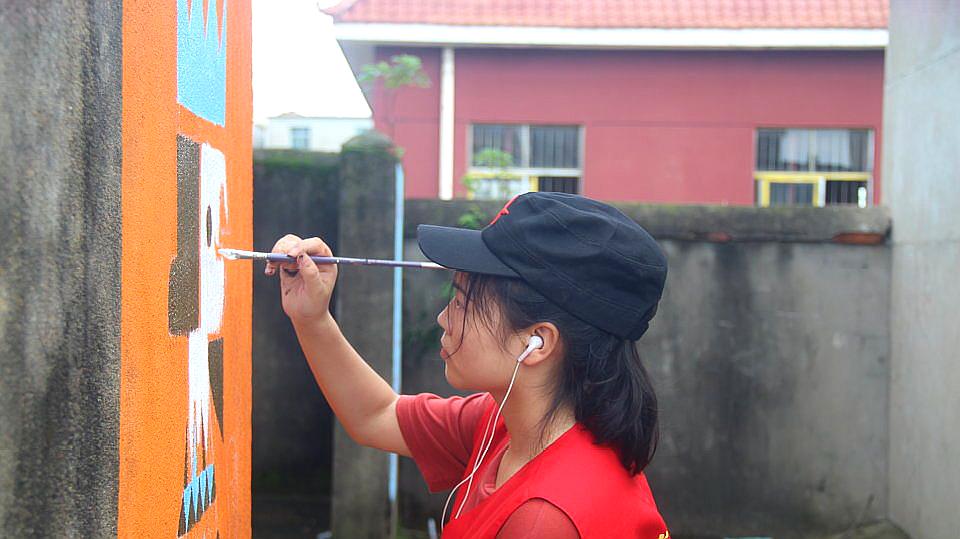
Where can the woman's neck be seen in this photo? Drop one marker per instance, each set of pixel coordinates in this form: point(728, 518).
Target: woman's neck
point(522, 415)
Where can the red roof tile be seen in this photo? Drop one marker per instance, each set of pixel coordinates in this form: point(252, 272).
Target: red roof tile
point(621, 13)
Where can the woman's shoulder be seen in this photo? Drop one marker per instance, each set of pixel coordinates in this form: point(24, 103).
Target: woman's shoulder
point(600, 488)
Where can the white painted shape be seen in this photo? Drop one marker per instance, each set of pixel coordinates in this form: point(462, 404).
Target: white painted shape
point(527, 36)
point(213, 195)
point(446, 123)
point(198, 377)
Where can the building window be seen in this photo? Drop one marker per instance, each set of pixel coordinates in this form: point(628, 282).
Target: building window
point(300, 138)
point(814, 167)
point(508, 159)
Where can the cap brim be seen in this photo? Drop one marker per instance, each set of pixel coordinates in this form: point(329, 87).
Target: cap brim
point(460, 249)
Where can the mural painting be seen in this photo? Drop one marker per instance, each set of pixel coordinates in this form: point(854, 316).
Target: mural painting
point(185, 335)
point(195, 299)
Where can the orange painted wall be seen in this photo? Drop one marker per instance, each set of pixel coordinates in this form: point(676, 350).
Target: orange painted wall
point(154, 363)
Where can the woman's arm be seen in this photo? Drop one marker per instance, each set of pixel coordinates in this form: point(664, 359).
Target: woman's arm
point(363, 401)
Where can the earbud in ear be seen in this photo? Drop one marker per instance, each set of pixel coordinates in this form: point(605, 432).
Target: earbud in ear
point(535, 343)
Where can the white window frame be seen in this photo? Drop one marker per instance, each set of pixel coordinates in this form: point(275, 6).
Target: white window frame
point(528, 174)
point(763, 178)
point(293, 137)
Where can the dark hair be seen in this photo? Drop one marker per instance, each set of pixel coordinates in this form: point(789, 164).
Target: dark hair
point(602, 377)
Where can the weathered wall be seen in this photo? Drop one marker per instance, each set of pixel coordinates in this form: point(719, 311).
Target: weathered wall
point(921, 118)
point(185, 393)
point(769, 354)
point(60, 275)
point(361, 507)
point(297, 193)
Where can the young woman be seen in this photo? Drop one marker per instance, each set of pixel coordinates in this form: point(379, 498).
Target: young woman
point(550, 299)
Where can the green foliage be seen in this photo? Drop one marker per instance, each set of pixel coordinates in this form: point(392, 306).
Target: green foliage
point(404, 70)
point(474, 218)
point(491, 158)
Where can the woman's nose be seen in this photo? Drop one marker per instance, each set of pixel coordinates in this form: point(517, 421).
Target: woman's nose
point(442, 319)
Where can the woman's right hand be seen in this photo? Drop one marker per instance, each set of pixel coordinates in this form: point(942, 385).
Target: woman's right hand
point(305, 286)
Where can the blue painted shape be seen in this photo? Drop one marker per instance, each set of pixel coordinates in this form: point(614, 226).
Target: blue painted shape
point(197, 497)
point(186, 507)
point(202, 488)
point(202, 60)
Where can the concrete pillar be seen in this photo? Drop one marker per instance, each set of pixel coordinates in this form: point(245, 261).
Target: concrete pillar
point(60, 272)
point(921, 163)
point(361, 508)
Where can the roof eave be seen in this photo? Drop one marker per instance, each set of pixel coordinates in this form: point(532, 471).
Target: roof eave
point(610, 38)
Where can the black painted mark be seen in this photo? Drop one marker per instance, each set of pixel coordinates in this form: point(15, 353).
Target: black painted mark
point(209, 226)
point(183, 292)
point(215, 361)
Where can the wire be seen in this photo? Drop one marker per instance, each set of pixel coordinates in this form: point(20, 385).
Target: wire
point(484, 448)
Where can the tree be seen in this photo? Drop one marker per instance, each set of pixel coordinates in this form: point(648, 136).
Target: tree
point(403, 70)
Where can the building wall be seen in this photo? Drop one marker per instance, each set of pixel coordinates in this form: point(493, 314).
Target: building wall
point(185, 394)
point(326, 134)
point(660, 126)
point(411, 117)
point(921, 112)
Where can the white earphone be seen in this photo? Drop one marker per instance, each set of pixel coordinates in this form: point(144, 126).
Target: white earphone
point(536, 342)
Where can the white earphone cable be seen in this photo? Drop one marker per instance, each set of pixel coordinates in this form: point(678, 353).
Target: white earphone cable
point(535, 342)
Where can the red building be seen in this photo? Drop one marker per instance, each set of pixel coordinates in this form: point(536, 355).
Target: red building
point(699, 101)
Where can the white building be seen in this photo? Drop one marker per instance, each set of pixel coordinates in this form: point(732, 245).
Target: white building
point(293, 131)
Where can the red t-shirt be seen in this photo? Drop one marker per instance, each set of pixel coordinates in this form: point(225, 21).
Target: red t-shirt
point(440, 434)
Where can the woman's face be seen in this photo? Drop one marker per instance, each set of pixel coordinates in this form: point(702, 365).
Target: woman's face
point(475, 355)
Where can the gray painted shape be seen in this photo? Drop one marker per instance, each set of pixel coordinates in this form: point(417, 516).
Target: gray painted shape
point(183, 286)
point(921, 164)
point(60, 145)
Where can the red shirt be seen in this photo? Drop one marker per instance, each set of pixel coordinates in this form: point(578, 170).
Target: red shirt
point(440, 434)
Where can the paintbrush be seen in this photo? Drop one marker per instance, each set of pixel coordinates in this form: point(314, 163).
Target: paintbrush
point(237, 254)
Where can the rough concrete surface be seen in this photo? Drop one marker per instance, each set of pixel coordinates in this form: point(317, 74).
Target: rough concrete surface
point(921, 160)
point(698, 223)
point(364, 312)
point(60, 274)
point(298, 193)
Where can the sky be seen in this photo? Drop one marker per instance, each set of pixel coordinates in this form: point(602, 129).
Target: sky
point(298, 65)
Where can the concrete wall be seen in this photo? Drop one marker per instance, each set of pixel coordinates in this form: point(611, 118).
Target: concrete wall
point(309, 476)
point(297, 193)
point(921, 118)
point(185, 372)
point(770, 355)
point(60, 146)
point(364, 311)
point(658, 126)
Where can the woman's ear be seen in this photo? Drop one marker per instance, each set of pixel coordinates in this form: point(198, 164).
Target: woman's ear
point(551, 342)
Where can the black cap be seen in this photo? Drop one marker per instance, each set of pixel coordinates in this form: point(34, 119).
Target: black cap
point(585, 256)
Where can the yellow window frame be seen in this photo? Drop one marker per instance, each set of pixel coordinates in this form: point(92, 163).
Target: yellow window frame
point(817, 179)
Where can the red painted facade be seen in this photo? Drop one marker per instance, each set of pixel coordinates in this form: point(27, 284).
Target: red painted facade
point(659, 126)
